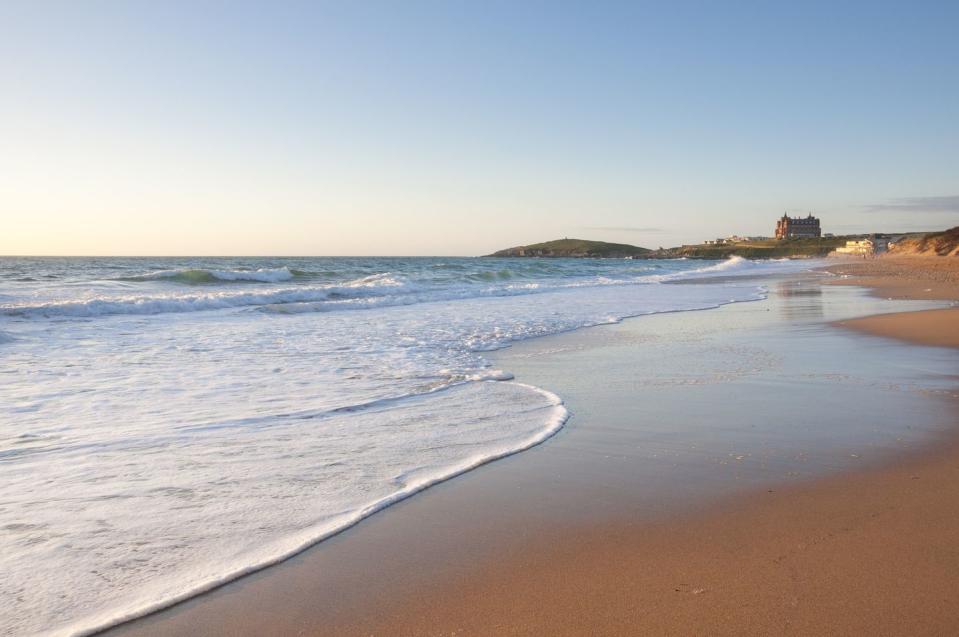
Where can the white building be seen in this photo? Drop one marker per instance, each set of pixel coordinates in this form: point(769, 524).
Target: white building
point(861, 247)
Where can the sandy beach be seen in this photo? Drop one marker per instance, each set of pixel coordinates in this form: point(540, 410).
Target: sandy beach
point(931, 327)
point(901, 277)
point(871, 552)
point(907, 278)
point(803, 520)
point(435, 319)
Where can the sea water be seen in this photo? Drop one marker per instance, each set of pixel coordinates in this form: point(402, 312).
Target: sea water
point(167, 425)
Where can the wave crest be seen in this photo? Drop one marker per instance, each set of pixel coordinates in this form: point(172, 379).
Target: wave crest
point(194, 276)
point(372, 290)
point(367, 287)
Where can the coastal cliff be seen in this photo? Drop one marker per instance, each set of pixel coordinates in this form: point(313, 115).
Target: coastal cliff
point(943, 244)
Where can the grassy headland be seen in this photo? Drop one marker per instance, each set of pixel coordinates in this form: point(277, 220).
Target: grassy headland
point(575, 248)
point(921, 244)
point(760, 249)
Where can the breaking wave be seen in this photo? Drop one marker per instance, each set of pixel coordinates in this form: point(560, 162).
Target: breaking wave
point(195, 276)
point(165, 303)
point(376, 290)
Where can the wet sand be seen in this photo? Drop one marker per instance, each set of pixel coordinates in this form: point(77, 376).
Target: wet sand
point(869, 554)
point(931, 327)
point(748, 470)
point(907, 278)
point(872, 552)
point(901, 277)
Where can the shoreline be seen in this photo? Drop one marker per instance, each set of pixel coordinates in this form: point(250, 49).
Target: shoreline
point(132, 618)
point(934, 328)
point(898, 277)
point(910, 278)
point(865, 551)
point(552, 427)
point(105, 597)
point(482, 560)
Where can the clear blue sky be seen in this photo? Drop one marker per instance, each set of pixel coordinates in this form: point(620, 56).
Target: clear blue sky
point(455, 128)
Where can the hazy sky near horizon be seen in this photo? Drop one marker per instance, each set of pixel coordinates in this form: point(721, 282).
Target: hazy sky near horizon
point(428, 128)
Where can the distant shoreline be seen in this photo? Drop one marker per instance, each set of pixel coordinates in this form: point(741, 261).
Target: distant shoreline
point(942, 243)
point(586, 249)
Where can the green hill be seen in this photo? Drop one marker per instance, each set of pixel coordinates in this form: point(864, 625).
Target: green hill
point(575, 248)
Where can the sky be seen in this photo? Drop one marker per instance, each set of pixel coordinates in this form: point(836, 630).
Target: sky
point(457, 128)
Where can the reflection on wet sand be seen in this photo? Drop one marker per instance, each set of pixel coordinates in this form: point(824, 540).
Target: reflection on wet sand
point(805, 299)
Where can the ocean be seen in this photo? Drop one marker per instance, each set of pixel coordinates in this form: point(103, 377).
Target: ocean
point(169, 424)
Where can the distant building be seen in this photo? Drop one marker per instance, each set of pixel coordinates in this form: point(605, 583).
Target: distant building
point(733, 238)
point(797, 227)
point(861, 247)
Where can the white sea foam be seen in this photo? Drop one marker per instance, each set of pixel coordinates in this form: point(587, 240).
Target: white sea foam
point(490, 438)
point(147, 452)
point(734, 263)
point(739, 266)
